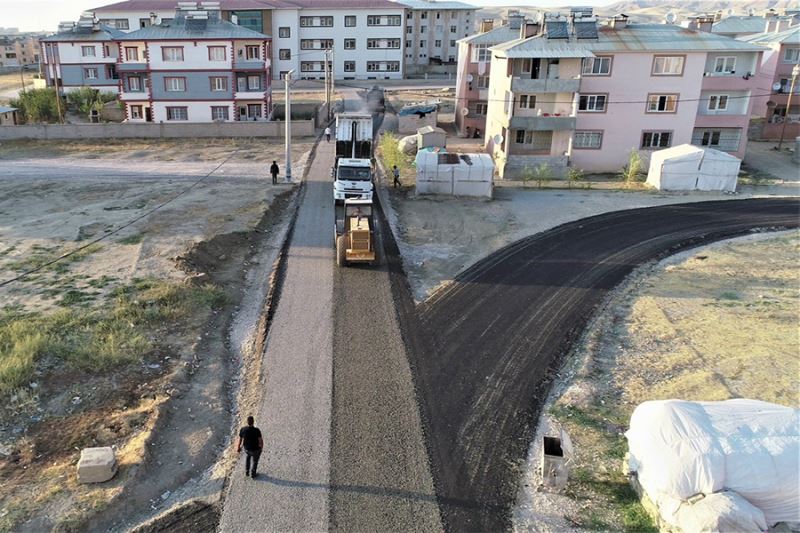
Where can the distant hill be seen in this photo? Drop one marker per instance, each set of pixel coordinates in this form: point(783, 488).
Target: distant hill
point(653, 10)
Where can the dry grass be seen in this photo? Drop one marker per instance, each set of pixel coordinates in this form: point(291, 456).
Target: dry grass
point(11, 80)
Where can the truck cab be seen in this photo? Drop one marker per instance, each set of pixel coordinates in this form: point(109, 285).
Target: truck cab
point(353, 180)
point(352, 171)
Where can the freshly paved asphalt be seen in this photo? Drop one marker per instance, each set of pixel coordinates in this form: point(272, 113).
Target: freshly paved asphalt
point(483, 351)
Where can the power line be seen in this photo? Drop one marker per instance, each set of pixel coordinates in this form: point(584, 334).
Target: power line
point(120, 228)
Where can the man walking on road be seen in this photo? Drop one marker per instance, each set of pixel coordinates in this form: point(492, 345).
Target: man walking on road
point(250, 438)
point(396, 174)
point(274, 171)
point(328, 134)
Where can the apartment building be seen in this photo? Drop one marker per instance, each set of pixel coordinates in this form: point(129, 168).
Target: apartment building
point(8, 53)
point(472, 76)
point(195, 68)
point(81, 54)
point(366, 36)
point(432, 32)
point(583, 93)
point(782, 54)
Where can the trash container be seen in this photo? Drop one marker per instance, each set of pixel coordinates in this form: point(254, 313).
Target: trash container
point(554, 467)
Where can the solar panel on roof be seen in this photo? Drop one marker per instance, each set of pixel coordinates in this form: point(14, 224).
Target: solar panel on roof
point(585, 30)
point(196, 24)
point(557, 29)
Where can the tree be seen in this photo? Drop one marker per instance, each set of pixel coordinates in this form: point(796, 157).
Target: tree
point(37, 105)
point(574, 175)
point(631, 171)
point(542, 173)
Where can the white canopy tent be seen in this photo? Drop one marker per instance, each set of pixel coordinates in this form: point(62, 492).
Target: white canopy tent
point(687, 168)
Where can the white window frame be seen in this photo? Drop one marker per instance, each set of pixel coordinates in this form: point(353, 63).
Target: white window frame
point(284, 32)
point(173, 84)
point(481, 108)
point(348, 19)
point(253, 86)
point(135, 87)
point(183, 110)
point(668, 65)
point(349, 44)
point(172, 54)
point(587, 140)
point(718, 102)
point(225, 114)
point(219, 84)
point(88, 51)
point(87, 73)
point(654, 101)
point(527, 101)
point(597, 66)
point(213, 53)
point(137, 112)
point(481, 53)
point(791, 55)
point(655, 140)
point(349, 66)
point(248, 52)
point(131, 56)
point(721, 65)
point(592, 103)
point(483, 82)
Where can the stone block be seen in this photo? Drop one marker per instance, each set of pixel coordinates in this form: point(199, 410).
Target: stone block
point(97, 465)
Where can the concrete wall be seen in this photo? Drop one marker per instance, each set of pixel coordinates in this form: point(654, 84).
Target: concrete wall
point(300, 128)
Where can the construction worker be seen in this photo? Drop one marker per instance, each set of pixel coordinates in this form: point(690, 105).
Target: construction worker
point(396, 174)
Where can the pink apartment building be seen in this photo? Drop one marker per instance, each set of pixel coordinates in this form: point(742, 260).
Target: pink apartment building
point(583, 93)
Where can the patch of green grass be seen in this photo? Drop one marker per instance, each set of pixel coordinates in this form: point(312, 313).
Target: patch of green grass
point(132, 239)
point(729, 295)
point(75, 297)
point(41, 255)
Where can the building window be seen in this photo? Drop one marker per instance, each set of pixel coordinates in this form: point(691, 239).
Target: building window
point(131, 53)
point(380, 43)
point(668, 65)
point(90, 73)
point(662, 103)
point(251, 20)
point(253, 83)
point(656, 139)
point(718, 102)
point(791, 55)
point(349, 66)
point(481, 108)
point(725, 65)
point(252, 51)
point(350, 21)
point(483, 82)
point(587, 139)
point(383, 20)
point(284, 32)
point(174, 84)
point(312, 22)
point(597, 66)
point(422, 44)
point(423, 15)
point(120, 24)
point(481, 53)
point(422, 29)
point(219, 83)
point(726, 139)
point(136, 111)
point(527, 101)
point(595, 103)
point(349, 44)
point(453, 29)
point(88, 51)
point(437, 43)
point(383, 66)
point(135, 84)
point(452, 42)
point(311, 66)
point(216, 53)
point(172, 53)
point(538, 140)
point(285, 54)
point(254, 110)
point(177, 113)
point(219, 112)
point(439, 28)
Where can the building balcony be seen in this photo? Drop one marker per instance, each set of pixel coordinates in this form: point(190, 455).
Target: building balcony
point(722, 121)
point(527, 85)
point(135, 95)
point(249, 64)
point(730, 82)
point(249, 95)
point(131, 67)
point(542, 123)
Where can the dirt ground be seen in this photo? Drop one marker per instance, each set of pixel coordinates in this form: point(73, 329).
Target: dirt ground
point(712, 323)
point(174, 277)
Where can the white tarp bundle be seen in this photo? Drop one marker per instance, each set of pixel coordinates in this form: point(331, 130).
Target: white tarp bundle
point(681, 449)
point(688, 168)
point(456, 174)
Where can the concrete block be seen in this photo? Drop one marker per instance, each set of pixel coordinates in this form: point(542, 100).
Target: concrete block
point(96, 465)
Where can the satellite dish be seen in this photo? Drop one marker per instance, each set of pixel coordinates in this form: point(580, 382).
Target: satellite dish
point(498, 139)
point(730, 12)
point(470, 77)
point(464, 111)
point(670, 17)
point(776, 86)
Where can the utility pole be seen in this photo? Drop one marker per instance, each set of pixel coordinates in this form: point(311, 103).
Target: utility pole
point(333, 83)
point(795, 73)
point(58, 98)
point(327, 84)
point(21, 79)
point(288, 118)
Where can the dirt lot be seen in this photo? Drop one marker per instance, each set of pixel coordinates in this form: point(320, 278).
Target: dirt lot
point(712, 323)
point(112, 342)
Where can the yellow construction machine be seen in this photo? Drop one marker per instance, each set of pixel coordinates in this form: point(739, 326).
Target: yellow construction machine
point(355, 233)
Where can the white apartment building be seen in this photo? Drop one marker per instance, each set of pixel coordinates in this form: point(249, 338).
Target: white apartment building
point(366, 36)
point(432, 32)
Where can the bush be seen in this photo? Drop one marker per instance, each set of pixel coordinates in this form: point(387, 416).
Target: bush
point(391, 154)
point(86, 99)
point(38, 105)
point(631, 171)
point(542, 173)
point(574, 175)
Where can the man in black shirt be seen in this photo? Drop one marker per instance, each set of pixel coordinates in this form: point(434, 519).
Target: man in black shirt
point(250, 438)
point(274, 170)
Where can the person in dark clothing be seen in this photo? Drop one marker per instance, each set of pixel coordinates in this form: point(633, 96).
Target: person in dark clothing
point(274, 171)
point(250, 438)
point(396, 174)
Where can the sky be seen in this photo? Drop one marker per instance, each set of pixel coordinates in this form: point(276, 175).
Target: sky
point(36, 15)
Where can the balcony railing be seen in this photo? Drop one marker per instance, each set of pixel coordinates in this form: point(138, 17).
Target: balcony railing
point(131, 67)
point(542, 123)
point(559, 85)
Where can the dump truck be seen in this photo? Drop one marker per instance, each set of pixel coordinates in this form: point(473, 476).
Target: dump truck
point(352, 169)
point(354, 231)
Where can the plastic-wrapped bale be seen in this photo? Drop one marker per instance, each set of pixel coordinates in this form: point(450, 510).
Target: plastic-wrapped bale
point(723, 512)
point(408, 144)
point(96, 465)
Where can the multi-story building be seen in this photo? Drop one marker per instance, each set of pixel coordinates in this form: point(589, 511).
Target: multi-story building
point(80, 55)
point(8, 53)
point(585, 94)
point(196, 68)
point(781, 56)
point(366, 36)
point(472, 76)
point(770, 21)
point(432, 31)
point(28, 50)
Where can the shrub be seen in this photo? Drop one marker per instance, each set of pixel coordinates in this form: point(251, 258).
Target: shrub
point(38, 105)
point(542, 173)
point(574, 175)
point(631, 171)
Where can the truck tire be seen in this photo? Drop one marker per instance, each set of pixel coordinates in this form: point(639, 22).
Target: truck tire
point(341, 248)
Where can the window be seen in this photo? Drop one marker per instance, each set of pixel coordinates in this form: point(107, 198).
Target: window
point(135, 84)
point(453, 29)
point(520, 137)
point(481, 108)
point(422, 29)
point(383, 66)
point(725, 65)
point(483, 82)
point(438, 15)
point(252, 51)
point(254, 110)
point(718, 102)
point(662, 103)
point(136, 111)
point(595, 103)
point(408, 45)
point(323, 22)
point(656, 139)
point(177, 113)
point(791, 55)
point(439, 28)
point(437, 43)
point(409, 29)
point(284, 32)
point(172, 53)
point(285, 53)
point(174, 84)
point(383, 20)
point(381, 43)
point(726, 139)
point(349, 44)
point(216, 53)
point(481, 53)
point(120, 24)
point(144, 23)
point(422, 44)
point(219, 83)
point(90, 73)
point(597, 66)
point(539, 140)
point(587, 139)
point(452, 42)
point(668, 65)
point(88, 51)
point(349, 66)
point(311, 66)
point(251, 20)
point(253, 83)
point(527, 101)
point(219, 112)
point(350, 21)
point(131, 53)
